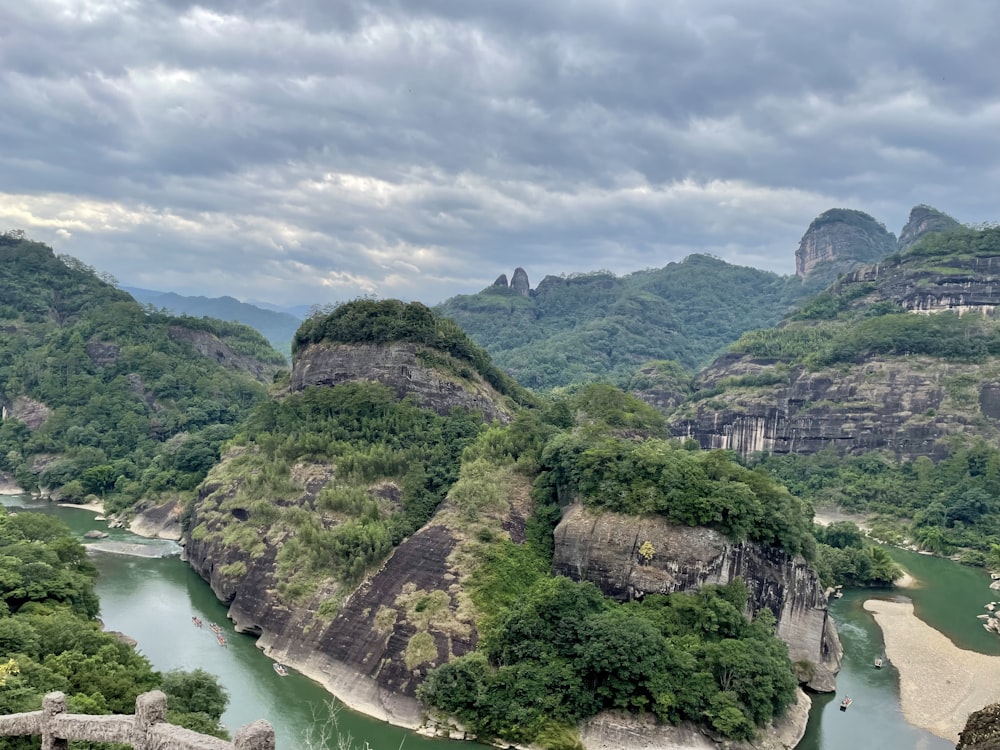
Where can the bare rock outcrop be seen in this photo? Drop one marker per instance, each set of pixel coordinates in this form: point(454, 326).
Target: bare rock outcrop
point(402, 367)
point(616, 730)
point(604, 549)
point(838, 241)
point(26, 409)
point(209, 345)
point(924, 220)
point(501, 281)
point(519, 282)
point(982, 730)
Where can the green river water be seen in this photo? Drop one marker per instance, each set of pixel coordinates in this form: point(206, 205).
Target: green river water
point(153, 600)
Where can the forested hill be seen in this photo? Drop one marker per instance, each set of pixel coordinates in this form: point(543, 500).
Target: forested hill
point(277, 327)
point(103, 397)
point(599, 326)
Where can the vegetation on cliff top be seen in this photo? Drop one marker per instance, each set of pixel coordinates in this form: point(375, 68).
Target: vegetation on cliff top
point(133, 410)
point(393, 465)
point(552, 651)
point(49, 630)
point(368, 321)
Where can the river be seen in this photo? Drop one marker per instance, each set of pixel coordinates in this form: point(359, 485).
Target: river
point(153, 599)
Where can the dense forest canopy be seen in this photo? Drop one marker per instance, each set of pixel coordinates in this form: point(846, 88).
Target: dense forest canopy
point(598, 326)
point(127, 407)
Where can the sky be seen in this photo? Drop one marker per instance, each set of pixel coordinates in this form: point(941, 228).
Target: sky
point(314, 151)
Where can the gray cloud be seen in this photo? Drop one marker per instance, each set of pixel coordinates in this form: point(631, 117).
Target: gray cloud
point(312, 151)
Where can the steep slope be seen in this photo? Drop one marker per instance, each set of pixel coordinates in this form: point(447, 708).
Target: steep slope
point(102, 397)
point(924, 220)
point(897, 356)
point(838, 241)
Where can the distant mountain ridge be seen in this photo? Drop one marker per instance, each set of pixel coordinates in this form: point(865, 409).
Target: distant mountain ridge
point(276, 326)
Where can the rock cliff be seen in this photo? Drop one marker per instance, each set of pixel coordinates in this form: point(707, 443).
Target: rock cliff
point(603, 548)
point(209, 345)
point(904, 403)
point(433, 378)
point(839, 240)
point(924, 220)
point(982, 730)
point(370, 646)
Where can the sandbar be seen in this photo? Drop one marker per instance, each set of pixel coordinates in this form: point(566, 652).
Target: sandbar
point(939, 683)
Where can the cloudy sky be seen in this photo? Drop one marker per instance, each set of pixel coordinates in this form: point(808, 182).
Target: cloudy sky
point(309, 151)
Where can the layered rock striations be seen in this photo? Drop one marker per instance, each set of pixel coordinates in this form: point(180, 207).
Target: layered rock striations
point(906, 405)
point(604, 549)
point(436, 380)
point(838, 241)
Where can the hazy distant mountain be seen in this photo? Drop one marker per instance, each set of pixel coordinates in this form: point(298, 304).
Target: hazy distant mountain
point(277, 327)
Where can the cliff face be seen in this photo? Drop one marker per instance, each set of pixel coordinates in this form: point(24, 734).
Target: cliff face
point(838, 241)
point(370, 647)
point(603, 548)
point(905, 404)
point(924, 220)
point(402, 367)
point(982, 730)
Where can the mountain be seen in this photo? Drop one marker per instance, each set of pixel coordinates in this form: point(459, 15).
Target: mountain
point(897, 356)
point(599, 326)
point(386, 527)
point(276, 326)
point(837, 241)
point(100, 396)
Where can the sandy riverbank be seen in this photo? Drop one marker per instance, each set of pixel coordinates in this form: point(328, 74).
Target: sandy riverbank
point(97, 508)
point(940, 684)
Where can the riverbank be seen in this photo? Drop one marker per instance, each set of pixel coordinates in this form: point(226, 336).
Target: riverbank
point(940, 684)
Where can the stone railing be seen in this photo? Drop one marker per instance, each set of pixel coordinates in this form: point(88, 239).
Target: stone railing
point(146, 730)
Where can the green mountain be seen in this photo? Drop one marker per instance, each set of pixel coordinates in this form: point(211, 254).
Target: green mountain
point(882, 394)
point(598, 326)
point(101, 396)
point(276, 326)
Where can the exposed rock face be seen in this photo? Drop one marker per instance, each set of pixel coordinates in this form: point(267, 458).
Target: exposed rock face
point(519, 282)
point(840, 240)
point(158, 521)
point(399, 366)
point(907, 405)
point(603, 548)
point(211, 346)
point(501, 281)
point(615, 730)
point(24, 409)
point(103, 353)
point(969, 285)
point(924, 220)
point(982, 730)
point(407, 617)
point(661, 385)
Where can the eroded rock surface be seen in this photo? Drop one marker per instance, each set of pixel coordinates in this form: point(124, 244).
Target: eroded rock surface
point(25, 409)
point(838, 241)
point(604, 548)
point(924, 220)
point(211, 346)
point(402, 368)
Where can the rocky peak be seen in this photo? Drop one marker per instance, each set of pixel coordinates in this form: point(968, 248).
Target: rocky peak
point(501, 281)
point(924, 220)
point(519, 282)
point(838, 241)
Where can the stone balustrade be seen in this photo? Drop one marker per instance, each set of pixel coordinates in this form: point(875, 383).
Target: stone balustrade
point(147, 729)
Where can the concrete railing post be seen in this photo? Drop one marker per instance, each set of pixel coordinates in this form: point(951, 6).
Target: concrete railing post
point(257, 735)
point(150, 709)
point(53, 705)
